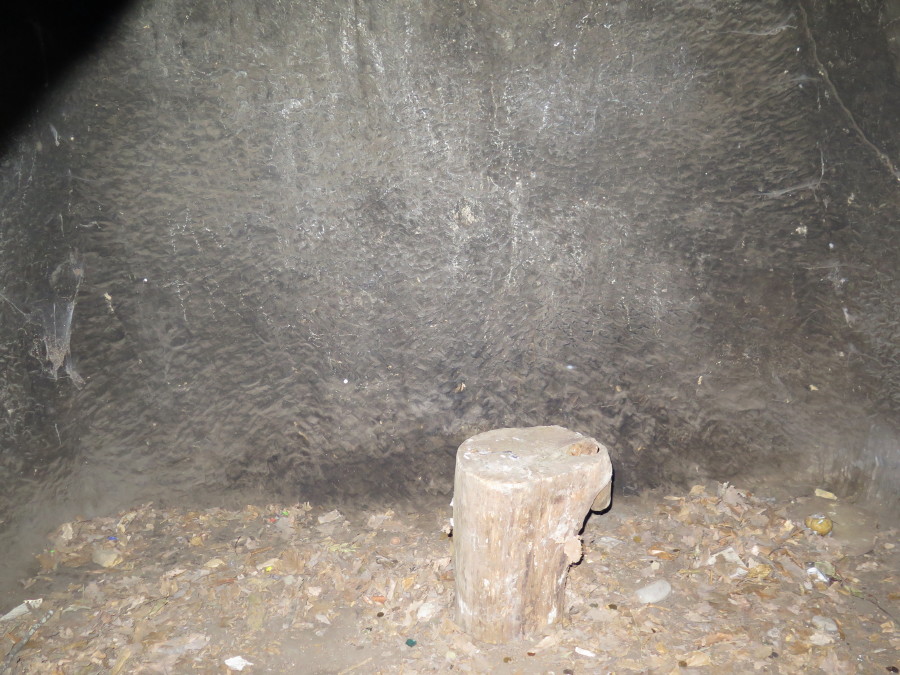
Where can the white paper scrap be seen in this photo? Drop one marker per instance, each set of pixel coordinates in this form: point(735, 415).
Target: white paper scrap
point(24, 608)
point(237, 663)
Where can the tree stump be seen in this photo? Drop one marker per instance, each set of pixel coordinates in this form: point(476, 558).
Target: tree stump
point(520, 498)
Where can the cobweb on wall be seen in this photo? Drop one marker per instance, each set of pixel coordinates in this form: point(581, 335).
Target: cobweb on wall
point(52, 347)
point(55, 315)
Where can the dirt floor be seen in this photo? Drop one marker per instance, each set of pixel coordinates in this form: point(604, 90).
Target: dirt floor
point(292, 588)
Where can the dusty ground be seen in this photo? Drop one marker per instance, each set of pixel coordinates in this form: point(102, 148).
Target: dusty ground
point(300, 589)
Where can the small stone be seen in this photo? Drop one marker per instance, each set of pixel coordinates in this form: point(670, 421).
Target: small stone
point(106, 557)
point(656, 592)
point(427, 611)
point(823, 623)
point(330, 517)
point(820, 639)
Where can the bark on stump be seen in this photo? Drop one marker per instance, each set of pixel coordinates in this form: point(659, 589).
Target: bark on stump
point(520, 498)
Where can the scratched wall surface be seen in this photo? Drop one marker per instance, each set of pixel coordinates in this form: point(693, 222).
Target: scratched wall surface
point(322, 243)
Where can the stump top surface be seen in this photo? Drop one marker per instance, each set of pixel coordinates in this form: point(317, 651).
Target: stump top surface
point(521, 454)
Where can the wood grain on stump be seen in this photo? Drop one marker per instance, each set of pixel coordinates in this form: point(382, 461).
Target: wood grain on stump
point(520, 498)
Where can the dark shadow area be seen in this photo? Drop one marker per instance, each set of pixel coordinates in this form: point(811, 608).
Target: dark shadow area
point(41, 42)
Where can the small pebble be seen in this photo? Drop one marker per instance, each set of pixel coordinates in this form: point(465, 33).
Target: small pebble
point(823, 623)
point(657, 591)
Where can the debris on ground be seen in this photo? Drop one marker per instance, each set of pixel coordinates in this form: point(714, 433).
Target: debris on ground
point(717, 580)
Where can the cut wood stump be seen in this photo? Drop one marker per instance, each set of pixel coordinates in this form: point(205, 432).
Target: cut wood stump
point(520, 498)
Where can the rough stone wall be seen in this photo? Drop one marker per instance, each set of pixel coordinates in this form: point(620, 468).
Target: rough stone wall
point(325, 242)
